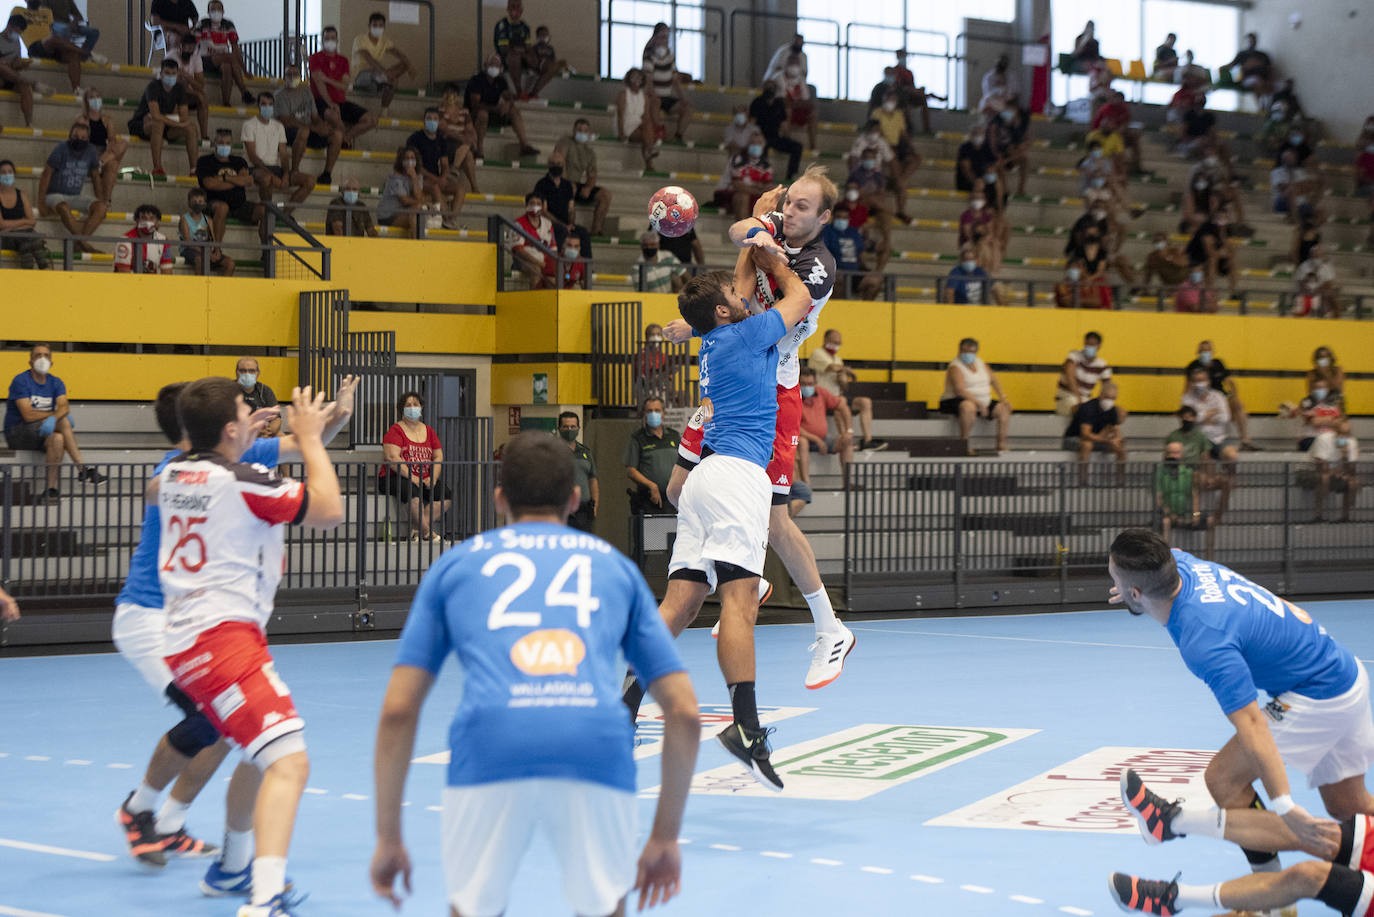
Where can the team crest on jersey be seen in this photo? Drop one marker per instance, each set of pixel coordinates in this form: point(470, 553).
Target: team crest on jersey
point(817, 274)
point(549, 652)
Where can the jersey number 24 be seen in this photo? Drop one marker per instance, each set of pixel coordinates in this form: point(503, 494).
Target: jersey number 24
point(580, 598)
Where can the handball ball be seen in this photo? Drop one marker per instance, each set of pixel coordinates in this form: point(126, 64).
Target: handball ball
point(672, 211)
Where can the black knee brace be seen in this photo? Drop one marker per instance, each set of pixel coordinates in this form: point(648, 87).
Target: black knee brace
point(1342, 889)
point(1259, 857)
point(192, 735)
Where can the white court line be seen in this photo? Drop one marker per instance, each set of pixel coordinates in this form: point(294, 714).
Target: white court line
point(1026, 899)
point(822, 861)
point(316, 791)
point(929, 880)
point(775, 854)
point(977, 889)
point(20, 912)
point(58, 851)
point(354, 796)
point(1076, 911)
point(730, 847)
point(876, 870)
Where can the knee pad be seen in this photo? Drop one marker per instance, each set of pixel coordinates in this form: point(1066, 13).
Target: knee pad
point(728, 572)
point(192, 735)
point(278, 748)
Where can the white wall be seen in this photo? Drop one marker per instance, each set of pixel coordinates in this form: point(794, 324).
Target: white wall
point(1328, 56)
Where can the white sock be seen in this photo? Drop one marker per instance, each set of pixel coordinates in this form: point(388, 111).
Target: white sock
point(1200, 823)
point(143, 800)
point(821, 611)
point(1199, 896)
point(269, 878)
point(237, 852)
point(172, 816)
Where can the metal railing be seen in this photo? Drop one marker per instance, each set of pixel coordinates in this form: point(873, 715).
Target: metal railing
point(626, 371)
point(503, 233)
point(610, 24)
point(748, 14)
point(267, 57)
point(77, 546)
point(959, 534)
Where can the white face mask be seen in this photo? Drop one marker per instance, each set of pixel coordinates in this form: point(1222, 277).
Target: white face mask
point(571, 252)
point(661, 51)
point(1160, 246)
point(216, 16)
point(1106, 403)
point(1201, 387)
point(889, 105)
point(1323, 361)
point(1073, 274)
point(147, 226)
point(1318, 394)
point(331, 45)
point(42, 365)
point(1099, 215)
point(493, 72)
point(97, 104)
point(377, 31)
point(1195, 276)
point(582, 137)
point(741, 118)
point(851, 194)
point(978, 204)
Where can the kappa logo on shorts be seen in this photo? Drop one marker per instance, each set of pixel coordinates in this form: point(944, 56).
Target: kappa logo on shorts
point(859, 762)
point(1084, 794)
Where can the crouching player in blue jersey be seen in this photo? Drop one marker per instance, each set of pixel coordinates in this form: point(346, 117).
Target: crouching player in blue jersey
point(192, 750)
point(1238, 637)
point(538, 615)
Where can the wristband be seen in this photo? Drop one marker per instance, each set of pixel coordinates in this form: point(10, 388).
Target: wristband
point(751, 233)
point(1282, 805)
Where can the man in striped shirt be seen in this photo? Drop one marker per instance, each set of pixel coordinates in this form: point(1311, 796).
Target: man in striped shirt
point(1082, 371)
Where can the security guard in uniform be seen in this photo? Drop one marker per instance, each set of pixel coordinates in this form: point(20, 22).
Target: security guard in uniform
point(584, 472)
point(650, 456)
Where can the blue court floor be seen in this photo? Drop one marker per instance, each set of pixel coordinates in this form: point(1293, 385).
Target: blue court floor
point(960, 766)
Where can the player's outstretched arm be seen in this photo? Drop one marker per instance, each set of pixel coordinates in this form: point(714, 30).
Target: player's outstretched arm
point(660, 865)
point(405, 695)
point(337, 414)
point(1313, 834)
point(306, 414)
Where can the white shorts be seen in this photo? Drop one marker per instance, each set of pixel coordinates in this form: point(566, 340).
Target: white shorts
point(487, 828)
point(138, 634)
point(1328, 740)
point(723, 516)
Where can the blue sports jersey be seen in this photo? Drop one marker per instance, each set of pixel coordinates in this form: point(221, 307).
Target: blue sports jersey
point(538, 615)
point(142, 587)
point(1237, 636)
point(738, 367)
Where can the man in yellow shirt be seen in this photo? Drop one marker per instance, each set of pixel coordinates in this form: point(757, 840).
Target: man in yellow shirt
point(893, 126)
point(372, 73)
point(42, 43)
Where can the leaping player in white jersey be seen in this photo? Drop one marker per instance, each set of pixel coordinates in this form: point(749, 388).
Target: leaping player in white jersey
point(793, 218)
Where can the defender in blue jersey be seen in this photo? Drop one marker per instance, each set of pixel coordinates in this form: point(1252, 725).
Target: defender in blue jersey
point(191, 751)
point(538, 615)
point(723, 512)
point(1240, 638)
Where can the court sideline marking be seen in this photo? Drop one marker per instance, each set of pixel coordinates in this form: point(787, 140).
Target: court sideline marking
point(57, 851)
point(20, 912)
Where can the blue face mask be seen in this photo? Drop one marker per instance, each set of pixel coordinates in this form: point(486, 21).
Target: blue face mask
point(223, 150)
point(841, 224)
point(755, 150)
point(411, 413)
point(1204, 356)
point(267, 111)
point(248, 380)
point(431, 125)
point(169, 80)
point(808, 391)
point(1090, 350)
point(7, 180)
point(970, 266)
point(653, 419)
point(967, 357)
point(350, 197)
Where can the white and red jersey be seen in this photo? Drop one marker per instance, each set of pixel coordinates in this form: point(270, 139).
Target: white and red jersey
point(1357, 843)
point(153, 251)
point(814, 264)
point(689, 446)
point(220, 555)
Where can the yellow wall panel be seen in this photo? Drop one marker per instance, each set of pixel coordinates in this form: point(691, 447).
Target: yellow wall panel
point(419, 332)
point(513, 383)
point(406, 270)
point(527, 322)
point(574, 384)
point(137, 377)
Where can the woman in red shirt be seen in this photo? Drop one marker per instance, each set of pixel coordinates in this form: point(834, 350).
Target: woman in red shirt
point(413, 463)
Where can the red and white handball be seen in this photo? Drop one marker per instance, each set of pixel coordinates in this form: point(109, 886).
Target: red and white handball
point(672, 211)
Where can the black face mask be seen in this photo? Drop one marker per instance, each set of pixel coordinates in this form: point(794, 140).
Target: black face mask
point(1171, 460)
point(649, 253)
point(555, 171)
point(1187, 425)
point(77, 145)
point(198, 207)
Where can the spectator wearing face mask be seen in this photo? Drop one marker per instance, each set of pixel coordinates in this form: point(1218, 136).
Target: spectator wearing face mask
point(818, 406)
point(1295, 190)
point(1219, 377)
point(305, 126)
point(104, 138)
point(378, 64)
point(650, 457)
point(147, 251)
point(1095, 170)
point(1166, 262)
point(491, 99)
point(584, 473)
point(17, 223)
point(636, 116)
point(968, 283)
point(769, 112)
point(1326, 371)
point(347, 215)
point(892, 127)
point(666, 81)
point(163, 113)
point(1012, 129)
point(1333, 457)
point(403, 194)
point(738, 131)
point(1318, 292)
point(547, 63)
point(219, 45)
point(574, 271)
point(1298, 143)
point(580, 162)
point(835, 377)
point(1096, 427)
point(256, 394)
point(267, 151)
point(60, 185)
point(225, 179)
point(329, 83)
point(849, 248)
point(870, 181)
point(969, 386)
point(414, 465)
point(750, 175)
point(191, 75)
point(1083, 369)
point(978, 227)
point(194, 226)
point(1194, 446)
point(538, 267)
point(1177, 498)
point(1000, 84)
point(798, 100)
point(1213, 412)
point(1194, 294)
point(38, 418)
point(792, 52)
point(1092, 259)
point(442, 182)
point(653, 377)
point(658, 271)
point(1212, 249)
point(1320, 410)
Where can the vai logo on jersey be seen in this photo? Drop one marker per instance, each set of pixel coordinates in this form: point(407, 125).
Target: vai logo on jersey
point(549, 652)
point(860, 761)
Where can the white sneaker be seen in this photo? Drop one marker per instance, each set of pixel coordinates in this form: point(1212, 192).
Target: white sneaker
point(827, 657)
point(765, 590)
point(98, 58)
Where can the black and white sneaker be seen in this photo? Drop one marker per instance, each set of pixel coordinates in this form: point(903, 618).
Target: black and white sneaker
point(1146, 896)
point(750, 746)
point(1152, 813)
point(91, 476)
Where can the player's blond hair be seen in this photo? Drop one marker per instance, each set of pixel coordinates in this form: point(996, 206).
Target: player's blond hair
point(820, 177)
